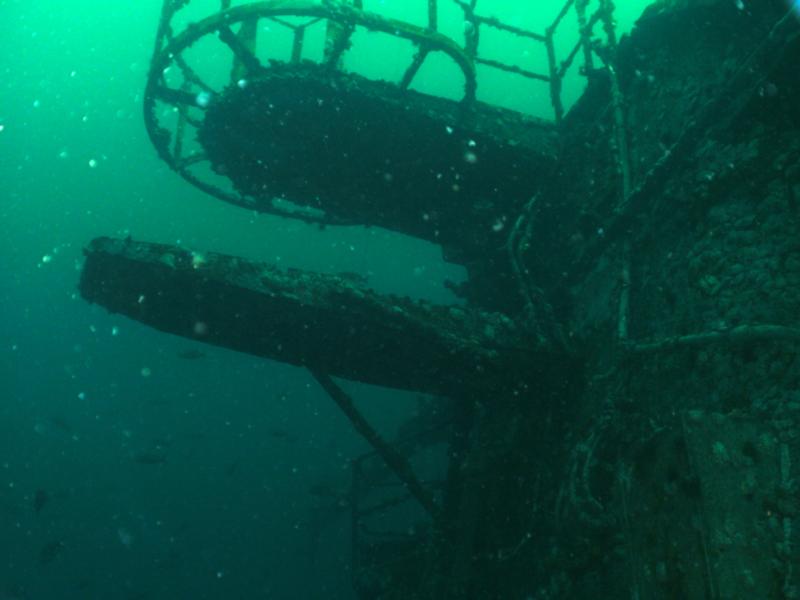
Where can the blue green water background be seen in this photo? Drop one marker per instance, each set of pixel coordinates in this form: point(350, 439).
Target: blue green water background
point(83, 392)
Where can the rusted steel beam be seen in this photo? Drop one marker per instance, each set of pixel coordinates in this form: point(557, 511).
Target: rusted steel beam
point(330, 323)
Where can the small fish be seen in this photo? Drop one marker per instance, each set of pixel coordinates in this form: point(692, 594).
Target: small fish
point(154, 456)
point(353, 277)
point(14, 592)
point(61, 424)
point(282, 434)
point(53, 426)
point(192, 354)
point(40, 500)
point(50, 552)
point(327, 490)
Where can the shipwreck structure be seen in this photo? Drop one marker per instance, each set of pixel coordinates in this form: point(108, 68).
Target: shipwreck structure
point(623, 380)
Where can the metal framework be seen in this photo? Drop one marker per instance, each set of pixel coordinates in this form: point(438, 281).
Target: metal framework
point(174, 112)
point(373, 498)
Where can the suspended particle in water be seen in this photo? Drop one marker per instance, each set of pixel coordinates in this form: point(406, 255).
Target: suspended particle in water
point(499, 224)
point(36, 104)
point(46, 258)
point(203, 99)
point(470, 158)
point(768, 90)
point(242, 83)
point(200, 328)
point(92, 163)
point(198, 260)
point(2, 127)
point(125, 537)
point(146, 372)
point(82, 396)
point(115, 330)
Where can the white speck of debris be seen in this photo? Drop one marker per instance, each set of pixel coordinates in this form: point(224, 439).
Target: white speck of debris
point(92, 163)
point(125, 537)
point(63, 154)
point(470, 158)
point(115, 330)
point(242, 83)
point(770, 90)
point(146, 372)
point(46, 258)
point(2, 127)
point(471, 143)
point(448, 129)
point(82, 396)
point(203, 99)
point(36, 104)
point(140, 300)
point(739, 4)
point(198, 260)
point(498, 225)
point(220, 574)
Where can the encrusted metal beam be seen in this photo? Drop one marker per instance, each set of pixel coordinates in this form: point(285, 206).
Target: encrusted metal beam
point(333, 324)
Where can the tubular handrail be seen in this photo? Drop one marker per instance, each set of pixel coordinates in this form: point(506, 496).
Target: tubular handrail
point(342, 18)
